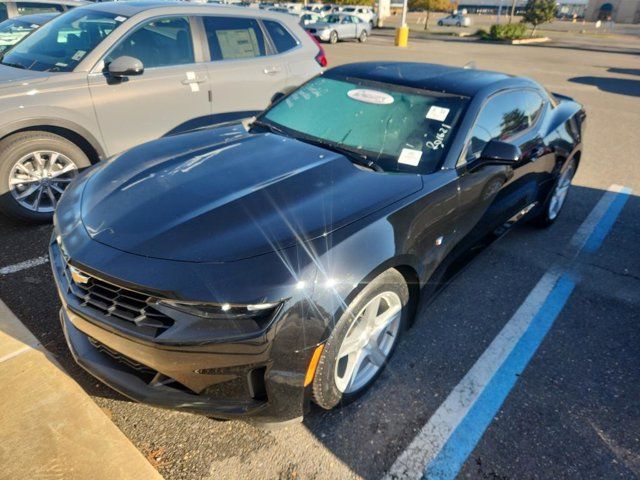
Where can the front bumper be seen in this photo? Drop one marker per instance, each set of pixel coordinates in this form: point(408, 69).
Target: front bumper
point(259, 377)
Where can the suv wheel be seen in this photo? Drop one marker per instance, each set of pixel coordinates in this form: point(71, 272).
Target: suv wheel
point(35, 168)
point(362, 341)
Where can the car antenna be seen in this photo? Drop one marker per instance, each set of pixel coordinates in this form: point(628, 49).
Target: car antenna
point(470, 65)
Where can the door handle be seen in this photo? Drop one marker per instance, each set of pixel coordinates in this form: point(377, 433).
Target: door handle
point(271, 70)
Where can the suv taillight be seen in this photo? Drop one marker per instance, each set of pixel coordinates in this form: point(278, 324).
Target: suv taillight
point(321, 58)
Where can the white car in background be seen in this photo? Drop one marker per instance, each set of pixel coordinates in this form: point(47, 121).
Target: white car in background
point(308, 18)
point(365, 13)
point(455, 20)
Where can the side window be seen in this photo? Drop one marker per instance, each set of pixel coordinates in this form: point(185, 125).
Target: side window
point(234, 37)
point(28, 8)
point(281, 38)
point(159, 43)
point(503, 116)
point(3, 12)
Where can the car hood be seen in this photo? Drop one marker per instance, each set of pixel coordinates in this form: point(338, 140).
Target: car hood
point(10, 76)
point(225, 194)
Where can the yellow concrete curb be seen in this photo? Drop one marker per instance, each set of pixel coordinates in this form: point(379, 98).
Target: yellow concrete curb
point(50, 427)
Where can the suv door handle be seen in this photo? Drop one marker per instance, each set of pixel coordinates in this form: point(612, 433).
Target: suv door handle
point(271, 70)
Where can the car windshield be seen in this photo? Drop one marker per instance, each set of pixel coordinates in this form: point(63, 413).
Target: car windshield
point(63, 42)
point(12, 31)
point(397, 128)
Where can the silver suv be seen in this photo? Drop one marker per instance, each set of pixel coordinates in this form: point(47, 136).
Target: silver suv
point(102, 78)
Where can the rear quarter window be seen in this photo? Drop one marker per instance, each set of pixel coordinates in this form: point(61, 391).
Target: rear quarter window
point(281, 38)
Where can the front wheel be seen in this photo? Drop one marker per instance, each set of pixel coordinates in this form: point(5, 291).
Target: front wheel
point(35, 169)
point(363, 36)
point(362, 341)
point(553, 206)
point(333, 37)
point(440, 24)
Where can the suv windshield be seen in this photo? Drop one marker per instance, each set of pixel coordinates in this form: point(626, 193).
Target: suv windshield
point(62, 43)
point(398, 128)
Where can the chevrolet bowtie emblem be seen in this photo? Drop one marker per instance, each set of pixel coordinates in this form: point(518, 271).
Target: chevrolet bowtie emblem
point(78, 276)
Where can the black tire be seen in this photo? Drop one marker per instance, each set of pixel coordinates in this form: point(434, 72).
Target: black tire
point(333, 37)
point(325, 391)
point(15, 147)
point(363, 36)
point(458, 24)
point(544, 218)
point(439, 24)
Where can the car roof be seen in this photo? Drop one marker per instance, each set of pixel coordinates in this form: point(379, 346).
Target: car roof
point(70, 3)
point(37, 18)
point(429, 76)
point(132, 8)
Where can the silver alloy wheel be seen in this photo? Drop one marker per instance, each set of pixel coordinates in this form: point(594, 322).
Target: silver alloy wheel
point(368, 342)
point(38, 179)
point(560, 191)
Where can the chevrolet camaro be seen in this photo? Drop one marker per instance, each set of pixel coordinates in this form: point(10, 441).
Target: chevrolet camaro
point(248, 269)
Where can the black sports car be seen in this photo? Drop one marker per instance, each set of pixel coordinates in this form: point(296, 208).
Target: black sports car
point(245, 269)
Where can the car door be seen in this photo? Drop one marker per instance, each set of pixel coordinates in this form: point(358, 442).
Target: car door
point(492, 194)
point(172, 94)
point(348, 27)
point(244, 68)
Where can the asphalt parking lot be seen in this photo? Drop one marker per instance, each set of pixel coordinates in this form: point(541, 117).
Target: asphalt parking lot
point(573, 411)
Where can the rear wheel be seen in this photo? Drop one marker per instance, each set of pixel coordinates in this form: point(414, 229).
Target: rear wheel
point(333, 37)
point(553, 206)
point(362, 341)
point(440, 24)
point(35, 169)
point(363, 36)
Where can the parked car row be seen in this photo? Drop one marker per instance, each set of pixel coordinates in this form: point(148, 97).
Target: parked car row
point(162, 68)
point(339, 26)
point(11, 9)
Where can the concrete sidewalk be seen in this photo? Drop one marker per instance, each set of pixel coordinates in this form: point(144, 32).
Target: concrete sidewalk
point(49, 426)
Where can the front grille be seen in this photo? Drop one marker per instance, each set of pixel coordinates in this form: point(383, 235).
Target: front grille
point(122, 358)
point(127, 307)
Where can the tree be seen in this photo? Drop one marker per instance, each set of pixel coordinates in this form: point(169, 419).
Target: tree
point(538, 12)
point(429, 6)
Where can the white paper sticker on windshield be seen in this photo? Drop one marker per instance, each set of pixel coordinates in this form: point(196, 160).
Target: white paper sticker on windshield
point(78, 55)
point(437, 113)
point(370, 96)
point(35, 25)
point(120, 19)
point(409, 156)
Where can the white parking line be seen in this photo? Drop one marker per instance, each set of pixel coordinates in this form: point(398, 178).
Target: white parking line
point(34, 262)
point(442, 446)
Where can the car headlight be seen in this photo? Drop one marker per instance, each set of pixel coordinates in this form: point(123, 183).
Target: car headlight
point(224, 311)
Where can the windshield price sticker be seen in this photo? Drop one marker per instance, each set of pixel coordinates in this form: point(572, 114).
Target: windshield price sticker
point(78, 55)
point(370, 96)
point(120, 19)
point(409, 156)
point(437, 113)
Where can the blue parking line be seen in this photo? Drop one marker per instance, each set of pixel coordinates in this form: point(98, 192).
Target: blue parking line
point(464, 438)
point(605, 224)
point(462, 441)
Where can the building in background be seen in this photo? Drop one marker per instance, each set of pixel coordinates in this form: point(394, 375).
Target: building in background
point(620, 11)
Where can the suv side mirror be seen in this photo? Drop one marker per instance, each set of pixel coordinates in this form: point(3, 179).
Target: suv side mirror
point(500, 153)
point(125, 67)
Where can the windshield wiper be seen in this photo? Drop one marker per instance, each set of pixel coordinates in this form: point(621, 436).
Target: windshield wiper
point(358, 158)
point(269, 126)
point(14, 65)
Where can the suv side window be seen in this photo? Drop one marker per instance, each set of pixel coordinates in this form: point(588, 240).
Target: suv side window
point(161, 42)
point(281, 38)
point(3, 12)
point(234, 37)
point(503, 116)
point(28, 8)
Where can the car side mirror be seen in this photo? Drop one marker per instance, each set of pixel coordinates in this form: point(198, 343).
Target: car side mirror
point(276, 97)
point(500, 153)
point(125, 67)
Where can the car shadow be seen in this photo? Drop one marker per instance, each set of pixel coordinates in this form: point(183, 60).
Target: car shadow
point(624, 71)
point(621, 86)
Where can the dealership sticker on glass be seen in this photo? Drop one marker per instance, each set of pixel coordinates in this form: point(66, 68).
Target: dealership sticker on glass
point(409, 156)
point(120, 19)
point(370, 96)
point(437, 113)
